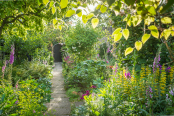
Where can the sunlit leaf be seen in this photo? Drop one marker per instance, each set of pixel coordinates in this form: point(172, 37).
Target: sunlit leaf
point(90, 15)
point(110, 2)
point(54, 21)
point(166, 20)
point(63, 3)
point(154, 31)
point(51, 4)
point(98, 7)
point(172, 30)
point(145, 37)
point(126, 33)
point(166, 33)
point(138, 45)
point(53, 10)
point(128, 51)
point(79, 12)
point(84, 19)
point(117, 37)
point(60, 27)
point(103, 8)
point(45, 1)
point(151, 10)
point(70, 13)
point(116, 31)
point(94, 22)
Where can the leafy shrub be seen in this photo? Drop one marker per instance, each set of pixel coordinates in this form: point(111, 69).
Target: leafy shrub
point(80, 41)
point(83, 74)
point(34, 69)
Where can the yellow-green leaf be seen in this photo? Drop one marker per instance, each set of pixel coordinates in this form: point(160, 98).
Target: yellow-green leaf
point(53, 10)
point(145, 38)
point(79, 14)
point(126, 33)
point(154, 31)
point(151, 10)
point(138, 45)
point(166, 33)
point(95, 22)
point(103, 8)
point(128, 51)
point(51, 4)
point(54, 21)
point(70, 13)
point(45, 2)
point(117, 37)
point(166, 20)
point(60, 27)
point(63, 3)
point(98, 7)
point(172, 30)
point(90, 15)
point(84, 19)
point(116, 31)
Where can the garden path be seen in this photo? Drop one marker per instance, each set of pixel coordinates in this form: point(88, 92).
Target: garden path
point(59, 105)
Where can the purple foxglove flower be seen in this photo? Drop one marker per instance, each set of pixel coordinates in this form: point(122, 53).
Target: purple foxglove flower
point(107, 61)
point(16, 102)
point(12, 55)
point(97, 55)
point(108, 50)
point(34, 111)
point(127, 75)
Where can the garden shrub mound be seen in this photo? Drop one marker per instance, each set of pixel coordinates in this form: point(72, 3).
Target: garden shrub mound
point(83, 74)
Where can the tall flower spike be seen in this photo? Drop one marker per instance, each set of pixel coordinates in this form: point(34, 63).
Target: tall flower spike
point(12, 54)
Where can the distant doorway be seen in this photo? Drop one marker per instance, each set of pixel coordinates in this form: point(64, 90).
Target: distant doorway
point(57, 54)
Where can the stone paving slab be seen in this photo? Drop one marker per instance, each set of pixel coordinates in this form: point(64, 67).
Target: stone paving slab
point(59, 105)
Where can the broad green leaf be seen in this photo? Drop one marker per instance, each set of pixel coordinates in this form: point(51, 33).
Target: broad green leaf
point(128, 51)
point(154, 31)
point(63, 3)
point(98, 7)
point(152, 27)
point(126, 33)
point(151, 10)
point(129, 23)
point(94, 22)
point(172, 30)
point(138, 45)
point(116, 31)
point(84, 19)
point(166, 33)
point(54, 21)
point(90, 15)
point(53, 10)
point(166, 20)
point(136, 20)
point(79, 12)
point(145, 37)
point(103, 8)
point(51, 4)
point(45, 1)
point(117, 37)
point(60, 27)
point(70, 13)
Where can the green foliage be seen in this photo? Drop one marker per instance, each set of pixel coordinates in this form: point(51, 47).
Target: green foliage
point(83, 74)
point(80, 41)
point(72, 93)
point(8, 97)
point(34, 69)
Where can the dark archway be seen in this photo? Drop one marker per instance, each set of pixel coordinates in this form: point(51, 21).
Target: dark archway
point(57, 54)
